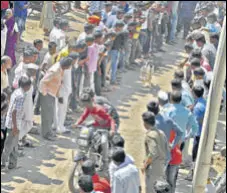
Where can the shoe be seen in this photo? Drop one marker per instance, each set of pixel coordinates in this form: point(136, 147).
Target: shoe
point(115, 83)
point(66, 131)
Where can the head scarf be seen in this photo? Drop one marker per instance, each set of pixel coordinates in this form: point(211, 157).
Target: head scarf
point(94, 19)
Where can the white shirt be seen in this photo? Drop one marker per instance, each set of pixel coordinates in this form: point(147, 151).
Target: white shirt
point(144, 25)
point(126, 180)
point(3, 40)
point(58, 36)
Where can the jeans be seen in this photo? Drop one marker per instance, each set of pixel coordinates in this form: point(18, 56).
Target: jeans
point(114, 64)
point(172, 174)
point(174, 19)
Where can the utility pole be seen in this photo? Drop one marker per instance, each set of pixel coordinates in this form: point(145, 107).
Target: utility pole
point(202, 167)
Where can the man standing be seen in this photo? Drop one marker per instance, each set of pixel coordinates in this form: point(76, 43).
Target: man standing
point(184, 118)
point(157, 152)
point(165, 123)
point(20, 14)
point(208, 50)
point(199, 112)
point(187, 9)
point(49, 88)
point(126, 179)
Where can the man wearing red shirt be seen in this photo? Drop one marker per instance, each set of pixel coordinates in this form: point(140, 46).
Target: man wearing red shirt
point(173, 167)
point(102, 121)
point(100, 184)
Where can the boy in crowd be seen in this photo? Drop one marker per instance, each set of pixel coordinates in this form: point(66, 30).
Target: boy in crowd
point(13, 122)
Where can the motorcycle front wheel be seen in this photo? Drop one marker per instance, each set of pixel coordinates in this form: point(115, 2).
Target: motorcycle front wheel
point(74, 177)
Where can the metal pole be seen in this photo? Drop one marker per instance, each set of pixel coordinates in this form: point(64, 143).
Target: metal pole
point(202, 167)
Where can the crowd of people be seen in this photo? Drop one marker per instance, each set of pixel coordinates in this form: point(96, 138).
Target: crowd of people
point(74, 73)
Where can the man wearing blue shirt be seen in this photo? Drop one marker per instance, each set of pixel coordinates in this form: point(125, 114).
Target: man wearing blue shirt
point(165, 123)
point(20, 14)
point(199, 112)
point(187, 98)
point(184, 118)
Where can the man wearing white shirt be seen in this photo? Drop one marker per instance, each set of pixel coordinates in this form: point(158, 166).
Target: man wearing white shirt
point(126, 179)
point(54, 32)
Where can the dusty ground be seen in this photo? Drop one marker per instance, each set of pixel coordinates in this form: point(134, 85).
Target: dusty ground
point(45, 169)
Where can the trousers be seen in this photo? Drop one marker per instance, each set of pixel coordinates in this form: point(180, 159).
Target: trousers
point(10, 153)
point(61, 111)
point(153, 173)
point(47, 114)
point(172, 174)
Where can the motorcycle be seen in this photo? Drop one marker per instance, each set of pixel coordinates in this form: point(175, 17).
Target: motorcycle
point(62, 7)
point(89, 145)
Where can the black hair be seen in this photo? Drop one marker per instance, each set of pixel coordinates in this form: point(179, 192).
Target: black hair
point(63, 23)
point(215, 36)
point(188, 46)
point(81, 44)
point(89, 91)
point(200, 38)
point(66, 62)
point(199, 72)
point(74, 55)
point(153, 107)
point(195, 62)
point(89, 38)
point(88, 168)
point(57, 21)
point(176, 83)
point(98, 34)
point(118, 141)
point(176, 97)
point(88, 27)
point(179, 74)
point(149, 118)
point(85, 183)
point(196, 53)
point(207, 83)
point(85, 97)
point(24, 81)
point(198, 91)
point(118, 155)
point(51, 45)
point(213, 16)
point(37, 41)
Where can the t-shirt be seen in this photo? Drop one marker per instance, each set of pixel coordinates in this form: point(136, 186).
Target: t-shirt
point(101, 184)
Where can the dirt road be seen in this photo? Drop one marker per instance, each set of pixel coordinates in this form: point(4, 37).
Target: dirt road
point(45, 169)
